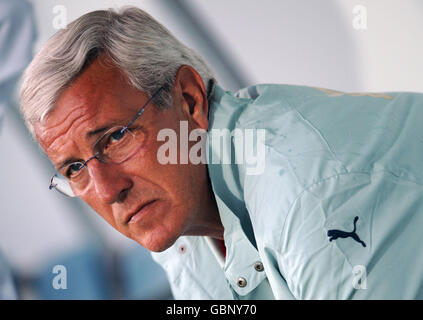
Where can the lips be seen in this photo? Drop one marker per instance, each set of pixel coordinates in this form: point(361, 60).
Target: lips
point(138, 211)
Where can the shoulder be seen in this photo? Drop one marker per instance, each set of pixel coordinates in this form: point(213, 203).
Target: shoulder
point(326, 159)
point(268, 90)
point(270, 99)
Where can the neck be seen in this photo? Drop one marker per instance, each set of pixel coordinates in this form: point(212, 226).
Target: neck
point(207, 221)
point(209, 224)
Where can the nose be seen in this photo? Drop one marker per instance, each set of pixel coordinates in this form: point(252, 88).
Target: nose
point(109, 182)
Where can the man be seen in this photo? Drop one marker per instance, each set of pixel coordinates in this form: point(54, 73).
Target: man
point(317, 194)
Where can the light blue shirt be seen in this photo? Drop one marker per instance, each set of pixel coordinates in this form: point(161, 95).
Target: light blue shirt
point(329, 157)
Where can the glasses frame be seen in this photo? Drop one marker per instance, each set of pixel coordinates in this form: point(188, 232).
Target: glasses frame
point(57, 175)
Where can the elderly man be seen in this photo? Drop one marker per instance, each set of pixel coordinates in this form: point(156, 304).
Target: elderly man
point(331, 207)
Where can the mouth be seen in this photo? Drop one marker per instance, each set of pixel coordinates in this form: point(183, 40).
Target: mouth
point(139, 212)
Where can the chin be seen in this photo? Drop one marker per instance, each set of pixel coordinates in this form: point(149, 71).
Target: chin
point(156, 246)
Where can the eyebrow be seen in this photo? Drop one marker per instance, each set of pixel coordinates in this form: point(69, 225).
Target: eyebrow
point(95, 132)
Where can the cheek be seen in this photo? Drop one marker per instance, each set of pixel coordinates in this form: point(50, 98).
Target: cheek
point(176, 182)
point(180, 182)
point(103, 210)
point(162, 228)
point(145, 165)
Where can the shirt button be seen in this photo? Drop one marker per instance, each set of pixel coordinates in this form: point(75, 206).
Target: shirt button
point(258, 266)
point(241, 282)
point(182, 249)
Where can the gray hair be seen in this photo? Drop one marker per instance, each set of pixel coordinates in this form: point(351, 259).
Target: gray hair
point(143, 49)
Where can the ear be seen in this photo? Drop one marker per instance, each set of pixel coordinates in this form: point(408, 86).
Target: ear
point(190, 90)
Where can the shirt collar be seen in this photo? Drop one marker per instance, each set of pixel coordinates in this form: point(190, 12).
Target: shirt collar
point(241, 255)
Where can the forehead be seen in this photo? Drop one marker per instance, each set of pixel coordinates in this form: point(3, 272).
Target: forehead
point(98, 86)
point(101, 93)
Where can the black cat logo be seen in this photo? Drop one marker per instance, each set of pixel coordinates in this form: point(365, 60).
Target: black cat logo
point(335, 234)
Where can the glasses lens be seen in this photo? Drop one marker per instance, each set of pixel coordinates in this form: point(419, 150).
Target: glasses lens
point(117, 145)
point(62, 185)
point(71, 180)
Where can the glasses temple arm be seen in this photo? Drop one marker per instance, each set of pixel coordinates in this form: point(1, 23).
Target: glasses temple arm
point(141, 111)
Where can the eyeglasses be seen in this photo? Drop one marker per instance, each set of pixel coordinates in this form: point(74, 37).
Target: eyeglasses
point(117, 145)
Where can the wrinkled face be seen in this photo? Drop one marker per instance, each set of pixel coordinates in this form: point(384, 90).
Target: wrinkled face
point(175, 194)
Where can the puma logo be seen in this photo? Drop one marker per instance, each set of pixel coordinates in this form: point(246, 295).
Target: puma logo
point(335, 234)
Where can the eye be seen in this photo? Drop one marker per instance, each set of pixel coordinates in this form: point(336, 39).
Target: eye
point(73, 169)
point(117, 135)
point(114, 139)
point(115, 144)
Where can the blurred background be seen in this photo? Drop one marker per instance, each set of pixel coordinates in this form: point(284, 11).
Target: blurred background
point(367, 45)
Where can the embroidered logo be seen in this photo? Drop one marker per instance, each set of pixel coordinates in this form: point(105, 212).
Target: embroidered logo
point(335, 234)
